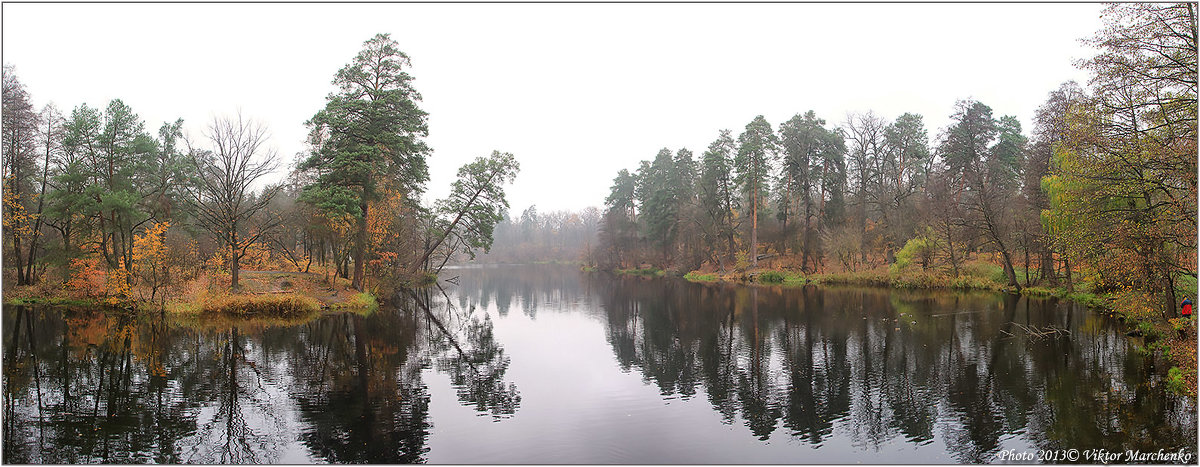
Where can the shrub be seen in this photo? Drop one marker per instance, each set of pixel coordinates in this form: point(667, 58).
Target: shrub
point(770, 277)
point(919, 249)
point(1175, 381)
point(362, 302)
point(695, 276)
point(649, 272)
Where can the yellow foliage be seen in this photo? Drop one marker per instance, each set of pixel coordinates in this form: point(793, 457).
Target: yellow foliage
point(117, 287)
point(150, 246)
point(16, 218)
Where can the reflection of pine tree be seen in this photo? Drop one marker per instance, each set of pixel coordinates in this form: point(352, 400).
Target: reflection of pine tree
point(359, 388)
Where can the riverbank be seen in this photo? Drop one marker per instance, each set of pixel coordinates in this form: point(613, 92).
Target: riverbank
point(1172, 339)
point(266, 294)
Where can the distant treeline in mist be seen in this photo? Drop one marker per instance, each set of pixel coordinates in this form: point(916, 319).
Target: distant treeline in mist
point(552, 237)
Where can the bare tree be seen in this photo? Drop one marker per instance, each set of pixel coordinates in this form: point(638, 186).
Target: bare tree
point(225, 202)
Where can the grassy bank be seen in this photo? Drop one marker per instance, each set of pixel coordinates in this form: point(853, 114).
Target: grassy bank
point(273, 294)
point(644, 272)
point(262, 294)
point(975, 277)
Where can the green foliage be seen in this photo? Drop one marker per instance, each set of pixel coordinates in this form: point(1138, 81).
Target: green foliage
point(371, 130)
point(770, 277)
point(695, 276)
point(918, 249)
point(367, 140)
point(646, 272)
point(1175, 381)
point(363, 303)
point(660, 188)
point(718, 199)
point(477, 201)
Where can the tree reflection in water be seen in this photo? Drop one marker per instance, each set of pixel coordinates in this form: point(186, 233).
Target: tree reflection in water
point(893, 365)
point(837, 369)
point(84, 386)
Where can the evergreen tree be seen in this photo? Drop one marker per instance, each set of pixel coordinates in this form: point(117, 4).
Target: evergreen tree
point(368, 135)
point(756, 149)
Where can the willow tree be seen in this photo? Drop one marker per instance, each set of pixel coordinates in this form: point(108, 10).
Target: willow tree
point(1123, 186)
point(369, 135)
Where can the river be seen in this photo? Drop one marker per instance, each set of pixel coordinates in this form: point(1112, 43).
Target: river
point(547, 364)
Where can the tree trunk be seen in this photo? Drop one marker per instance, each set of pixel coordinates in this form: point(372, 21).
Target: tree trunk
point(1067, 269)
point(233, 272)
point(37, 224)
point(16, 242)
point(754, 230)
point(1046, 270)
point(233, 260)
point(1008, 269)
point(360, 249)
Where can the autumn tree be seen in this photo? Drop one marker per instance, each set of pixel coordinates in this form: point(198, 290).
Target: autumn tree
point(1123, 184)
point(20, 129)
point(368, 135)
point(224, 197)
point(904, 170)
point(865, 135)
point(1050, 130)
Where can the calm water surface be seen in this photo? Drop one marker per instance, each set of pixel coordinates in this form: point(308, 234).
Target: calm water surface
point(545, 364)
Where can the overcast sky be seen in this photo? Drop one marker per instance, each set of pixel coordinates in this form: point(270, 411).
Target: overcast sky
point(575, 91)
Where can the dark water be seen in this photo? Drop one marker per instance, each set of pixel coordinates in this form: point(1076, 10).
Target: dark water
point(543, 364)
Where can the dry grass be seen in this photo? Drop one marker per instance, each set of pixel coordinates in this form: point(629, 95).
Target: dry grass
point(269, 294)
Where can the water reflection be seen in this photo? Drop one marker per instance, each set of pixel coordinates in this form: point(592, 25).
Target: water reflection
point(887, 365)
point(783, 375)
point(83, 386)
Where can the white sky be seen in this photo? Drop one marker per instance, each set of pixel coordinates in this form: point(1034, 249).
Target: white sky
point(575, 91)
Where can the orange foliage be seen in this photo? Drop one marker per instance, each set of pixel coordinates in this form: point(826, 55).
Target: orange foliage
point(382, 230)
point(87, 277)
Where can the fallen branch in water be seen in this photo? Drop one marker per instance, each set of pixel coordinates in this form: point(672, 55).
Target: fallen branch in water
point(1038, 333)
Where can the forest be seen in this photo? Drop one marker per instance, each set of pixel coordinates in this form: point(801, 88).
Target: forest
point(1100, 195)
point(99, 208)
point(823, 288)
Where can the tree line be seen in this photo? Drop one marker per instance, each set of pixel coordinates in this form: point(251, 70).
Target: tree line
point(1104, 187)
point(95, 202)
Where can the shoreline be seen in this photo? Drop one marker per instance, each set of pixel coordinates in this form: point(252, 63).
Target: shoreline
point(262, 294)
point(1175, 342)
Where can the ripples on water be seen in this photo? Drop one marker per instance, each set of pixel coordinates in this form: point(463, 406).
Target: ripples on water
point(543, 364)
